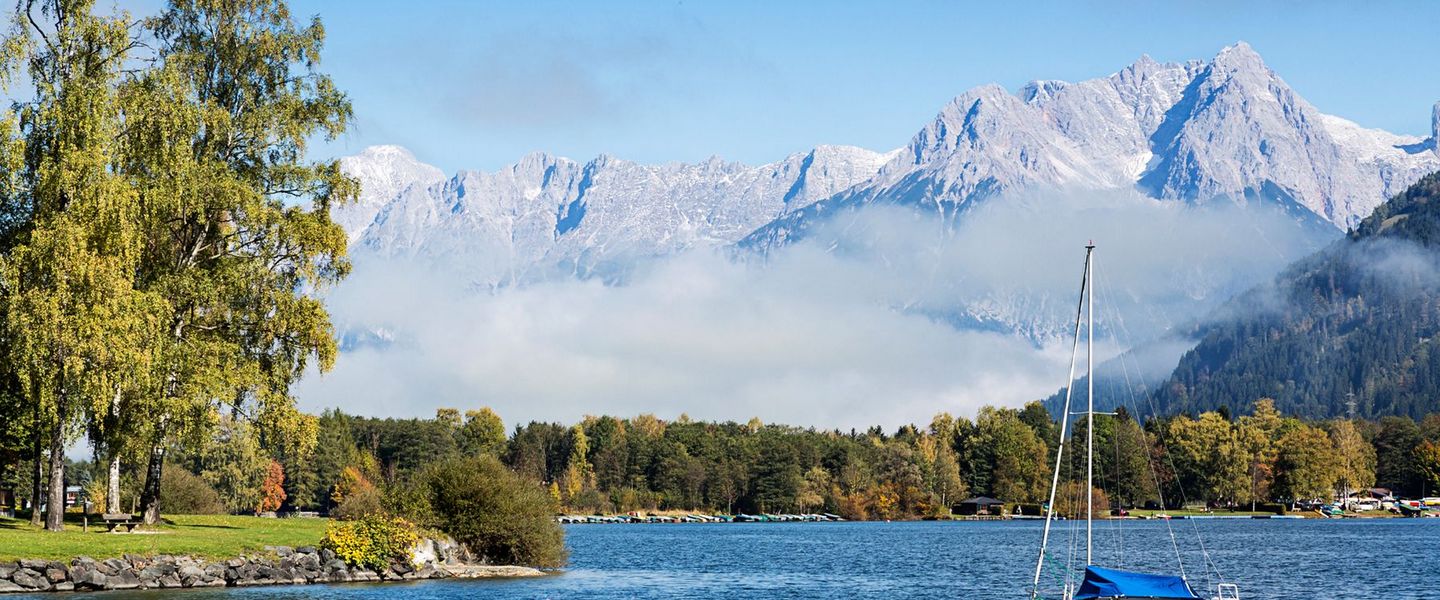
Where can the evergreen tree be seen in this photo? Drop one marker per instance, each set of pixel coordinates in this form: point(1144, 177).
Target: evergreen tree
point(1395, 444)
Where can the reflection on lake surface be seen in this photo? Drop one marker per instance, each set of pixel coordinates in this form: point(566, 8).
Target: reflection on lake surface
point(1310, 560)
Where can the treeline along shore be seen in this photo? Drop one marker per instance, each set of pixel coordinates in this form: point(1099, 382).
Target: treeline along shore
point(362, 467)
point(390, 486)
point(606, 465)
point(609, 465)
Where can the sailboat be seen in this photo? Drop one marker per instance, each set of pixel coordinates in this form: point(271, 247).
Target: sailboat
point(1102, 583)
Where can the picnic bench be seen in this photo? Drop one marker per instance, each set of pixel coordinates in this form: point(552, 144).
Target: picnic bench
point(115, 520)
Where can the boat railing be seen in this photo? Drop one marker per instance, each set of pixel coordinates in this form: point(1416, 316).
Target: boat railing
point(1227, 591)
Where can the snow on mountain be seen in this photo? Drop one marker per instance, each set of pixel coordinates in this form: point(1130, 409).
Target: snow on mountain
point(1195, 131)
point(384, 172)
point(545, 212)
point(1203, 133)
point(1239, 128)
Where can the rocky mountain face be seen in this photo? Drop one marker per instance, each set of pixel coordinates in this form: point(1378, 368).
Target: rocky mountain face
point(545, 212)
point(1219, 133)
point(384, 172)
point(1197, 132)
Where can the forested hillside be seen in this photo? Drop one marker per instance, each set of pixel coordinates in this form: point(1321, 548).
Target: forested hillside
point(1355, 323)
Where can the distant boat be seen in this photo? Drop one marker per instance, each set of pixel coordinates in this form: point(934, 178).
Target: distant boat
point(1100, 583)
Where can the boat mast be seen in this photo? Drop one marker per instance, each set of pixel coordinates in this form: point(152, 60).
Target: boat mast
point(1090, 402)
point(1064, 422)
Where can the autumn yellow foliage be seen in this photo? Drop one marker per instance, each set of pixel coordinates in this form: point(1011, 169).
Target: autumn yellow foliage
point(371, 542)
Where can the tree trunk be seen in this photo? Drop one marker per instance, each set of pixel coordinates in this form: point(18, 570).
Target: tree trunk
point(112, 448)
point(112, 487)
point(55, 504)
point(150, 495)
point(37, 489)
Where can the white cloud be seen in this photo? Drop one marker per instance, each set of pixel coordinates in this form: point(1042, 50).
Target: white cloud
point(698, 334)
point(844, 330)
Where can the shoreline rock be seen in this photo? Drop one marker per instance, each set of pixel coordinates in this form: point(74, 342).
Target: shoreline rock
point(280, 565)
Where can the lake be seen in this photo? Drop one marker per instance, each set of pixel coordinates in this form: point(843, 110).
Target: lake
point(1290, 559)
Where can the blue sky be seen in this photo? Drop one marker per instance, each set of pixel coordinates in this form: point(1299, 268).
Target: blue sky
point(479, 84)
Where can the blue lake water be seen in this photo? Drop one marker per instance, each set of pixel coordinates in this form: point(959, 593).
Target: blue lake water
point(1394, 559)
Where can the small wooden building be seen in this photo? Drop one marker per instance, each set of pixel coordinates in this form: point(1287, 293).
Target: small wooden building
point(980, 505)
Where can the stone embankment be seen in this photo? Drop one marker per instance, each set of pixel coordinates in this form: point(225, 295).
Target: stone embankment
point(277, 566)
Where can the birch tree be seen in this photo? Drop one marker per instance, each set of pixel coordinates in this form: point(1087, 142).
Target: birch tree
point(236, 219)
point(74, 325)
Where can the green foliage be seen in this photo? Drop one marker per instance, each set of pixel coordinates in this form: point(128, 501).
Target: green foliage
point(231, 461)
point(1355, 322)
point(1306, 465)
point(403, 445)
point(236, 220)
point(1271, 507)
point(1017, 455)
point(161, 231)
point(1210, 460)
point(76, 330)
point(483, 433)
point(1396, 439)
point(495, 513)
point(1427, 460)
point(310, 480)
point(187, 494)
point(371, 542)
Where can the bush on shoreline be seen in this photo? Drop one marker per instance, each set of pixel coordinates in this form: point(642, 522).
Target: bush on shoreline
point(497, 514)
point(371, 542)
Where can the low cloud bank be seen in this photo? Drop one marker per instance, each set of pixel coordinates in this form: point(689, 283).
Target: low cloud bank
point(884, 317)
point(698, 334)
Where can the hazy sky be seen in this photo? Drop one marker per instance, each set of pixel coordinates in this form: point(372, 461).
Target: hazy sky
point(478, 84)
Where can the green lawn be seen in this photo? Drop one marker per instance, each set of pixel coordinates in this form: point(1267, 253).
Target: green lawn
point(211, 536)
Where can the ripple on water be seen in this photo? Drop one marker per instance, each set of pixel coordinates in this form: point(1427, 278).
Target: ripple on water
point(1292, 560)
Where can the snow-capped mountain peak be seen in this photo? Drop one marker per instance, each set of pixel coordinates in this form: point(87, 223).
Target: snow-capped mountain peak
point(384, 172)
point(1197, 131)
point(1227, 129)
point(546, 212)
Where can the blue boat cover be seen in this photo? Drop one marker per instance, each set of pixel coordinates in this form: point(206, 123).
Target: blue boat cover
point(1110, 583)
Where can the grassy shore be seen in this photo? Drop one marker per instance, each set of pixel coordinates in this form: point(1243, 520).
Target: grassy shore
point(209, 536)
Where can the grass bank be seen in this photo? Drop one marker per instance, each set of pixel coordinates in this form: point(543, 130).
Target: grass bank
point(208, 536)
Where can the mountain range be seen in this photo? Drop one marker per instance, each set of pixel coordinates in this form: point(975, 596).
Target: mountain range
point(1228, 132)
point(1197, 132)
point(546, 213)
point(1228, 129)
